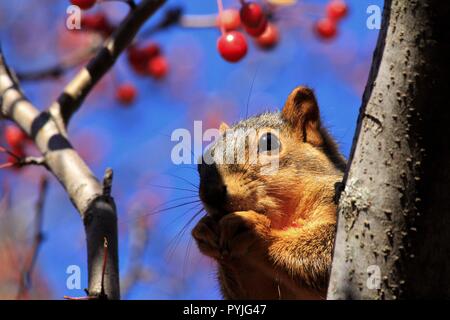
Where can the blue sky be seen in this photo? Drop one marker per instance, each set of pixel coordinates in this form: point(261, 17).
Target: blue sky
point(135, 141)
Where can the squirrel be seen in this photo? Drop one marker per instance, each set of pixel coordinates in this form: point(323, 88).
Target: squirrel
point(272, 236)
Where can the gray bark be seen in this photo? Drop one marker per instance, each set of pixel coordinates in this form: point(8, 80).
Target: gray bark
point(394, 212)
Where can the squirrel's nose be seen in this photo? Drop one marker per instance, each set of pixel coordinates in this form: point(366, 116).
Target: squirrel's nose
point(215, 196)
point(213, 190)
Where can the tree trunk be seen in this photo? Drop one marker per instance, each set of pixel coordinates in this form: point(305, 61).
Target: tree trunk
point(394, 212)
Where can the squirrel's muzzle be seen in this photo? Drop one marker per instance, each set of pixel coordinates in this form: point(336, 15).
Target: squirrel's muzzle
point(212, 190)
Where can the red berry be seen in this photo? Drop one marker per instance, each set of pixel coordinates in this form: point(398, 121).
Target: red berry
point(269, 38)
point(134, 54)
point(140, 57)
point(83, 4)
point(151, 50)
point(126, 93)
point(19, 152)
point(337, 9)
point(158, 67)
point(229, 19)
point(326, 28)
point(15, 137)
point(252, 14)
point(97, 22)
point(256, 32)
point(232, 46)
point(137, 59)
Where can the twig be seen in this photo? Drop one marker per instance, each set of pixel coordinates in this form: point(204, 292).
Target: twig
point(21, 161)
point(36, 161)
point(107, 182)
point(26, 273)
point(60, 68)
point(139, 244)
point(172, 17)
point(10, 153)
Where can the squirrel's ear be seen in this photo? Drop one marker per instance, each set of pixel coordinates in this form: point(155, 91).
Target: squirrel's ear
point(302, 113)
point(223, 127)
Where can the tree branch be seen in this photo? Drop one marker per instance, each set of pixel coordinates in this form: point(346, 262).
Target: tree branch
point(27, 271)
point(48, 131)
point(139, 242)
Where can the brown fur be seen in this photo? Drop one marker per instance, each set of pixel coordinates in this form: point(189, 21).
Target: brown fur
point(273, 235)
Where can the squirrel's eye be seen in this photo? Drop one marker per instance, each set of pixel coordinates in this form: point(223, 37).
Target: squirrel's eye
point(269, 142)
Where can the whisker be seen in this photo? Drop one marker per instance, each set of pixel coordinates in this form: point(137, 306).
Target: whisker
point(175, 200)
point(183, 179)
point(175, 242)
point(186, 259)
point(172, 188)
point(174, 207)
point(250, 92)
point(164, 210)
point(184, 213)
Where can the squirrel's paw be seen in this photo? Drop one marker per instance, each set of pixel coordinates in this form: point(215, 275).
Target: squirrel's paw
point(242, 233)
point(206, 234)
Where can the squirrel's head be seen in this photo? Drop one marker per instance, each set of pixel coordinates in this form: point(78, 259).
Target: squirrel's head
point(277, 164)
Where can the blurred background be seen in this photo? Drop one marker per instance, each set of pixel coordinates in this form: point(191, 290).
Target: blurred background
point(158, 259)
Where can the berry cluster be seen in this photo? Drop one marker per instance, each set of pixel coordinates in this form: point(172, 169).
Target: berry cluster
point(232, 44)
point(327, 27)
point(148, 60)
point(143, 59)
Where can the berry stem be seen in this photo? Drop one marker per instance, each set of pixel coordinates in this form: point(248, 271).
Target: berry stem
point(12, 154)
point(220, 6)
point(7, 165)
point(199, 21)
